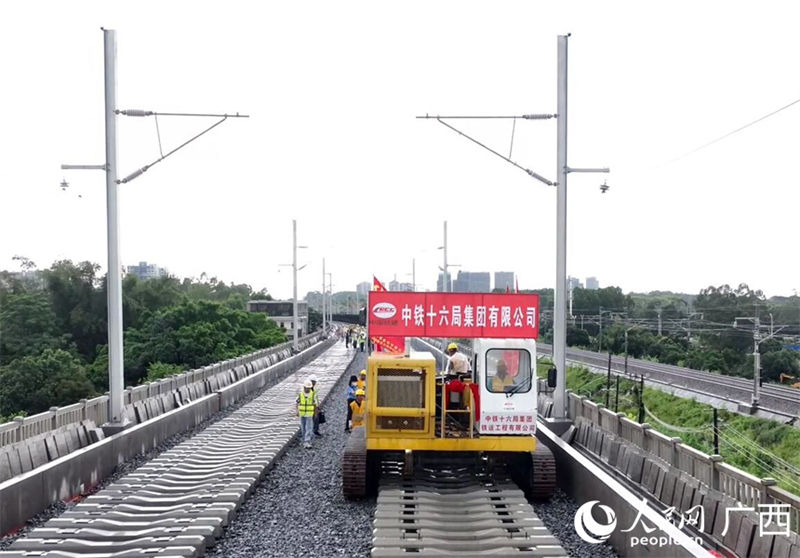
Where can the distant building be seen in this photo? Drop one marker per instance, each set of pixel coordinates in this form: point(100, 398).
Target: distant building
point(574, 283)
point(440, 283)
point(472, 282)
point(363, 288)
point(398, 286)
point(282, 312)
point(146, 271)
point(503, 280)
point(592, 283)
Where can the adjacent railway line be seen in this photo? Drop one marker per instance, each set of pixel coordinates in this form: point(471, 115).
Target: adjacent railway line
point(779, 402)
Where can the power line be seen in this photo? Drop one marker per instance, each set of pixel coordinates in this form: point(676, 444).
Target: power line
point(786, 478)
point(789, 482)
point(792, 468)
point(684, 429)
point(737, 130)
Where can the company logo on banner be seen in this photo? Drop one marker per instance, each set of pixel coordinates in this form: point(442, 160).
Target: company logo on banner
point(464, 315)
point(384, 310)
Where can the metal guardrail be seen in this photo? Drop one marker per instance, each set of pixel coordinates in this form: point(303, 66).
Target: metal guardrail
point(96, 409)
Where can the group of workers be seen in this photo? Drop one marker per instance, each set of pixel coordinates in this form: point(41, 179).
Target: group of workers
point(355, 336)
point(310, 411)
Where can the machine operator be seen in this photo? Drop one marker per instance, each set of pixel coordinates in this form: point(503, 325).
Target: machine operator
point(458, 363)
point(501, 380)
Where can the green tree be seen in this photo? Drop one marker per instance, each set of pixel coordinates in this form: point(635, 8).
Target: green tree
point(36, 383)
point(160, 370)
point(27, 326)
point(775, 363)
point(577, 337)
point(589, 301)
point(314, 320)
point(721, 305)
point(196, 333)
point(140, 299)
point(78, 299)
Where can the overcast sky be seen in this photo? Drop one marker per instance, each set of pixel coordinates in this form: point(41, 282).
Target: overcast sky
point(332, 89)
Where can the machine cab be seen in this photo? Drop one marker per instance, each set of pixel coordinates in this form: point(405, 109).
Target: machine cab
point(504, 372)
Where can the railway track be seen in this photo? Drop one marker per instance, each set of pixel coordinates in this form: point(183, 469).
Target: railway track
point(452, 509)
point(178, 504)
point(781, 401)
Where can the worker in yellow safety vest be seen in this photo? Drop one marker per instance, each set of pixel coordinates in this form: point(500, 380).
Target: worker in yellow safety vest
point(502, 381)
point(306, 409)
point(359, 410)
point(362, 381)
point(318, 410)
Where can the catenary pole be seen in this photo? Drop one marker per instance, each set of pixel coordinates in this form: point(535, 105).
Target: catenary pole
point(560, 310)
point(294, 285)
point(114, 279)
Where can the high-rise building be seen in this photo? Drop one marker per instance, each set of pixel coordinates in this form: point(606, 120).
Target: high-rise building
point(472, 282)
point(146, 271)
point(504, 280)
point(440, 283)
point(395, 285)
point(574, 283)
point(592, 283)
point(363, 288)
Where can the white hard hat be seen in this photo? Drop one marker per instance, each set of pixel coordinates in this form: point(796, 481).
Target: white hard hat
point(308, 384)
point(312, 378)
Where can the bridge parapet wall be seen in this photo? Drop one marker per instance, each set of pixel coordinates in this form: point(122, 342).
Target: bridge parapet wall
point(711, 471)
point(96, 409)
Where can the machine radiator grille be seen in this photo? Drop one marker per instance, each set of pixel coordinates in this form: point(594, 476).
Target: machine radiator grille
point(401, 388)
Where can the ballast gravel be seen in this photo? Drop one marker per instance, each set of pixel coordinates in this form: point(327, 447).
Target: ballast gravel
point(298, 510)
point(558, 515)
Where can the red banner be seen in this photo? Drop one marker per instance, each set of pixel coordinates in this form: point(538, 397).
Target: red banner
point(389, 344)
point(465, 315)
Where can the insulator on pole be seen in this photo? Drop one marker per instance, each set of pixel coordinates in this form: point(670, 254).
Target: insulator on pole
point(136, 112)
point(133, 175)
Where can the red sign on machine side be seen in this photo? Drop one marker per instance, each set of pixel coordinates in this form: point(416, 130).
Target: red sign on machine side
point(465, 315)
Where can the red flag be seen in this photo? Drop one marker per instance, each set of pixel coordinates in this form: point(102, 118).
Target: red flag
point(377, 285)
point(508, 289)
point(516, 282)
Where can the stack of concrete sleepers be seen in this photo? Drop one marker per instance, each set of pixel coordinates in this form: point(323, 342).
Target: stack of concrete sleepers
point(178, 504)
point(462, 518)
